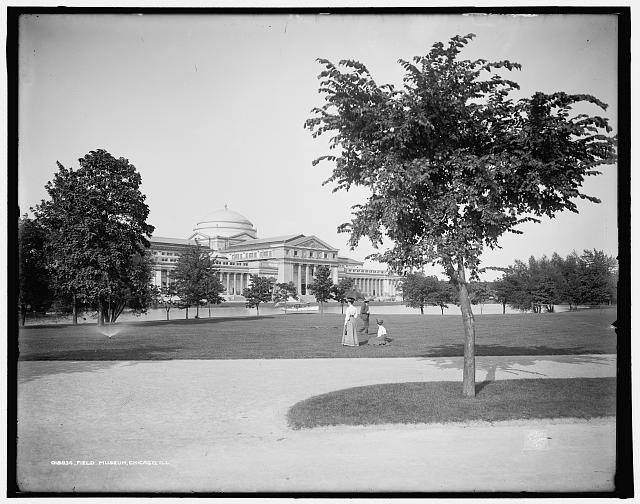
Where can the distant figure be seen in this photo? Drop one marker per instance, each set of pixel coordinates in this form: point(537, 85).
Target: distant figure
point(364, 315)
point(349, 337)
point(382, 338)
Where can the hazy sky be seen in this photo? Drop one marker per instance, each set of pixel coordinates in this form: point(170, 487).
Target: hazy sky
point(210, 109)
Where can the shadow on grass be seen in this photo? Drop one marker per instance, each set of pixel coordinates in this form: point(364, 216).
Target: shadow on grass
point(457, 350)
point(516, 365)
point(147, 323)
point(107, 354)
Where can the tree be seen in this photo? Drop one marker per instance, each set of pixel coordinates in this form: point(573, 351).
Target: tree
point(479, 293)
point(452, 162)
point(339, 291)
point(169, 294)
point(196, 279)
point(321, 286)
point(95, 223)
point(418, 290)
point(260, 291)
point(504, 291)
point(597, 276)
point(283, 291)
point(442, 297)
point(34, 283)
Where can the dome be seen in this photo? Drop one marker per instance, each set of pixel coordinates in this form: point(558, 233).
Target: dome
point(225, 222)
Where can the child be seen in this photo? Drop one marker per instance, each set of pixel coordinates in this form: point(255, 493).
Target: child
point(382, 338)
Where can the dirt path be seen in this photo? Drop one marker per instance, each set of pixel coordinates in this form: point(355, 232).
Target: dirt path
point(220, 425)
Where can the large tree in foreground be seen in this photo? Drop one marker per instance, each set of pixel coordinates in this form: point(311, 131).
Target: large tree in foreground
point(452, 162)
point(96, 230)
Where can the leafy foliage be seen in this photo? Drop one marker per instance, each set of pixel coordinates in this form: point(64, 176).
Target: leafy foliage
point(587, 279)
point(418, 290)
point(260, 291)
point(196, 279)
point(95, 223)
point(339, 291)
point(321, 286)
point(283, 291)
point(34, 292)
point(452, 162)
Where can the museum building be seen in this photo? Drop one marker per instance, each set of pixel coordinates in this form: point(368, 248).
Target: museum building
point(238, 253)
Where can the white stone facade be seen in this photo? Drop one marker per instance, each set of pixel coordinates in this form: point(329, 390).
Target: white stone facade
point(238, 253)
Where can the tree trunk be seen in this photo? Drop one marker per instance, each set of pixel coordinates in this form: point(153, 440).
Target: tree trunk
point(23, 315)
point(186, 313)
point(198, 310)
point(209, 309)
point(442, 310)
point(75, 309)
point(257, 310)
point(100, 320)
point(342, 308)
point(421, 310)
point(469, 368)
point(321, 308)
point(167, 309)
point(504, 307)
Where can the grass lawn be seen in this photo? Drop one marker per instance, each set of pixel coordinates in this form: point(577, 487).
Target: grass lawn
point(441, 402)
point(296, 336)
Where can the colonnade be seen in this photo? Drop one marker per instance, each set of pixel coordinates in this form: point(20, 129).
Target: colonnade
point(234, 282)
point(376, 286)
point(303, 275)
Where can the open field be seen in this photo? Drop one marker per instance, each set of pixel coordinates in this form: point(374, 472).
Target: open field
point(299, 336)
point(442, 402)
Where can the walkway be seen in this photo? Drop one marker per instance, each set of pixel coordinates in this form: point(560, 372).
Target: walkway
point(220, 426)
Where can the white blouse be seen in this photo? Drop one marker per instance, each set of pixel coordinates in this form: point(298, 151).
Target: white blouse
point(381, 331)
point(351, 311)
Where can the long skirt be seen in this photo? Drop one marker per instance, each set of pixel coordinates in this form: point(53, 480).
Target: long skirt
point(350, 338)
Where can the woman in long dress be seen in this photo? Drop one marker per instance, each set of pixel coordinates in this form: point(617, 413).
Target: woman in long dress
point(349, 337)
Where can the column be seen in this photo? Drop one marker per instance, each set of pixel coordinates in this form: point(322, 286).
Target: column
point(334, 274)
point(299, 281)
point(158, 280)
point(306, 278)
point(228, 292)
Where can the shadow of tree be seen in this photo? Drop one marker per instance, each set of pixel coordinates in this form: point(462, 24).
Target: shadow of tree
point(146, 323)
point(27, 373)
point(457, 350)
point(516, 365)
point(107, 354)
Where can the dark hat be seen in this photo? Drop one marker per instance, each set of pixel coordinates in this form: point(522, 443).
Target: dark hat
point(379, 321)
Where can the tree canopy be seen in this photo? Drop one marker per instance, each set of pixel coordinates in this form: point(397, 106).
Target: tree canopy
point(96, 229)
point(34, 284)
point(321, 286)
point(452, 161)
point(418, 290)
point(259, 291)
point(588, 279)
point(196, 279)
point(339, 291)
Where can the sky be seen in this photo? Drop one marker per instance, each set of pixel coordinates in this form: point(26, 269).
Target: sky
point(210, 109)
